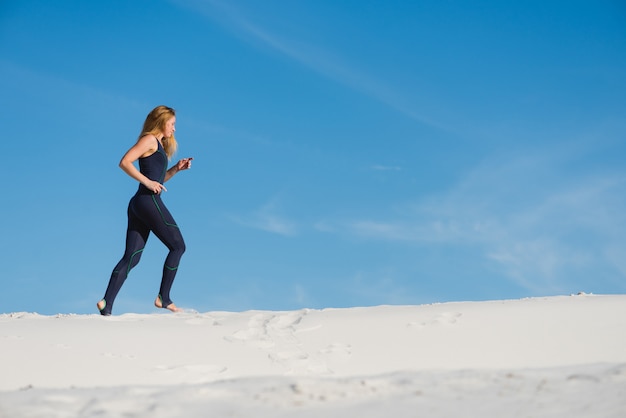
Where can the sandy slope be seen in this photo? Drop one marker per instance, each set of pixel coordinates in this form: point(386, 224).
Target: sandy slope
point(550, 355)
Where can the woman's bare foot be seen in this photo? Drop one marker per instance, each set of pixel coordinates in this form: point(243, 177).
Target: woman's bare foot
point(101, 305)
point(159, 304)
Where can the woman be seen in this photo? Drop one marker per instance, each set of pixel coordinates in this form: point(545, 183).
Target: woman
point(146, 211)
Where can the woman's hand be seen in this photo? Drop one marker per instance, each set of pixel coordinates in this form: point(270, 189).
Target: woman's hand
point(155, 186)
point(184, 164)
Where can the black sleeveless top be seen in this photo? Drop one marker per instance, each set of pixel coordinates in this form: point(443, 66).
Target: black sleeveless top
point(154, 167)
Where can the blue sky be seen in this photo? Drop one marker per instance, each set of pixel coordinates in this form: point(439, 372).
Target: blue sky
point(346, 153)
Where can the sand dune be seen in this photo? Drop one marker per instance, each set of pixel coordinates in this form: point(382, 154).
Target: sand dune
point(556, 356)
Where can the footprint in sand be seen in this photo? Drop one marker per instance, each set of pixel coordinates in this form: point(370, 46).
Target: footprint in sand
point(13, 337)
point(334, 353)
point(61, 346)
point(285, 322)
point(58, 398)
point(276, 333)
point(265, 330)
point(298, 361)
point(617, 373)
point(283, 356)
point(200, 319)
point(118, 356)
point(194, 368)
point(445, 318)
point(256, 333)
point(448, 318)
point(190, 373)
point(337, 348)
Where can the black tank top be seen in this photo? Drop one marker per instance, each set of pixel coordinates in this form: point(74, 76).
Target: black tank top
point(154, 167)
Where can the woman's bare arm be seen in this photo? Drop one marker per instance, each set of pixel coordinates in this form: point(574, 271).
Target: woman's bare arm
point(181, 165)
point(145, 146)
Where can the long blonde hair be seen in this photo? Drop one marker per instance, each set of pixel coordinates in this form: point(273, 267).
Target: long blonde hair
point(155, 125)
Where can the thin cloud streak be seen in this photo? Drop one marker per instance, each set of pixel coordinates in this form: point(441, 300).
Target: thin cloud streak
point(266, 219)
point(380, 167)
point(538, 235)
point(312, 57)
point(83, 96)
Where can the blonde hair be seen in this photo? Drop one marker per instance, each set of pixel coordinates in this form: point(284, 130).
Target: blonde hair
point(155, 125)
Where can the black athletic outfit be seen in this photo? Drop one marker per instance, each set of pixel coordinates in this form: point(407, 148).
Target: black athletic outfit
point(146, 212)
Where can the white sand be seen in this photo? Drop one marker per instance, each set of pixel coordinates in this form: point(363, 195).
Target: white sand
point(541, 357)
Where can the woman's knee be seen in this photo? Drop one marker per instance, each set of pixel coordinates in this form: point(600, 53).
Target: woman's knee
point(178, 247)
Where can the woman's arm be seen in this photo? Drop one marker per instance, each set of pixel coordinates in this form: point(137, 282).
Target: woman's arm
point(144, 147)
point(183, 164)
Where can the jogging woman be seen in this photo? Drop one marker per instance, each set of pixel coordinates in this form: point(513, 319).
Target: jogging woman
point(146, 211)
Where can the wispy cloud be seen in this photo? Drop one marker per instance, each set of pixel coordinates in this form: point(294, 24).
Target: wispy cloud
point(83, 98)
point(380, 167)
point(379, 287)
point(267, 218)
point(318, 59)
point(535, 226)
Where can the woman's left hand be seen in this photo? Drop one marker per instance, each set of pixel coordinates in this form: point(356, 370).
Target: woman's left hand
point(184, 164)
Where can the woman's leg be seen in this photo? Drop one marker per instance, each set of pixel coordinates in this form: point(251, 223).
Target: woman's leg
point(157, 216)
point(169, 233)
point(136, 236)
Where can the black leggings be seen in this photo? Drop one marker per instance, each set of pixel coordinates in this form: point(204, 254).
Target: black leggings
point(146, 212)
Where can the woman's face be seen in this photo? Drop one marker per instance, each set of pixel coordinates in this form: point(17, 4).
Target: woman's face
point(170, 127)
